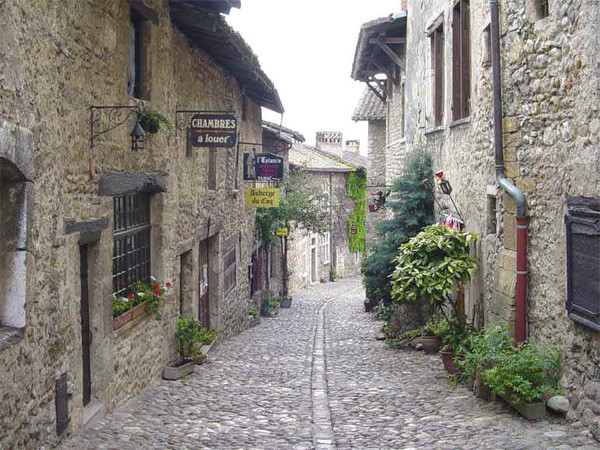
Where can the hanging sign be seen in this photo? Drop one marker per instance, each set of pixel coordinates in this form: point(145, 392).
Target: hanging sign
point(263, 167)
point(262, 197)
point(283, 231)
point(213, 130)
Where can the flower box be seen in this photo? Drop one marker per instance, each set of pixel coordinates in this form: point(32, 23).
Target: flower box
point(531, 411)
point(179, 369)
point(123, 319)
point(139, 310)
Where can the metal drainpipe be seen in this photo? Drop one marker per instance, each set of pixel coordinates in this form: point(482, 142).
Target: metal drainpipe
point(511, 189)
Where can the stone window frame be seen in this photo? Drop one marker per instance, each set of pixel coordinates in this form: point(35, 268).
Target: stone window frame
point(326, 247)
point(230, 269)
point(461, 60)
point(139, 72)
point(539, 9)
point(437, 42)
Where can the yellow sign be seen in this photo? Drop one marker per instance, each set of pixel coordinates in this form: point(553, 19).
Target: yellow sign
point(281, 231)
point(262, 197)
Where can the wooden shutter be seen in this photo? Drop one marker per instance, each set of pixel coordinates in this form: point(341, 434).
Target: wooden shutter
point(465, 58)
point(583, 261)
point(438, 41)
point(456, 85)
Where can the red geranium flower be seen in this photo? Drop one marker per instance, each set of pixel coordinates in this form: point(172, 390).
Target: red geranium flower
point(159, 294)
point(130, 295)
point(155, 292)
point(167, 284)
point(155, 286)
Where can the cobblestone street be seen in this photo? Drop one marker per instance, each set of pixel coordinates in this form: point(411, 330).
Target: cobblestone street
point(314, 376)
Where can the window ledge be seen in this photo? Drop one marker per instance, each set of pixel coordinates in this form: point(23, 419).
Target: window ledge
point(459, 122)
point(438, 129)
point(10, 336)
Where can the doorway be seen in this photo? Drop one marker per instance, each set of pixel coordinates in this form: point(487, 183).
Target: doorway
point(86, 333)
point(204, 286)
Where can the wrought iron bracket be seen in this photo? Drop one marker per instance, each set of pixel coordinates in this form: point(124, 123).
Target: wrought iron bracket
point(114, 115)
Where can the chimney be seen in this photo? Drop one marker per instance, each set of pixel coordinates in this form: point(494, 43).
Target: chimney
point(330, 142)
point(353, 146)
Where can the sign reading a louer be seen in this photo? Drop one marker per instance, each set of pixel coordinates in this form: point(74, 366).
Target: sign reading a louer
point(213, 130)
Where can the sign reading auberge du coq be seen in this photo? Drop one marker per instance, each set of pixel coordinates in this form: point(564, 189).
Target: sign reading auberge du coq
point(213, 130)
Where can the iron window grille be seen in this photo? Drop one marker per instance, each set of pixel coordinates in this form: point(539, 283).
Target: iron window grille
point(131, 241)
point(230, 269)
point(583, 261)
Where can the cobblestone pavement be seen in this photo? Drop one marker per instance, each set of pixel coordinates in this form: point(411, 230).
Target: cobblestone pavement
point(315, 377)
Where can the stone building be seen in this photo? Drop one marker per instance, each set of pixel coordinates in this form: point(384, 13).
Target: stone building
point(84, 215)
point(546, 147)
point(314, 258)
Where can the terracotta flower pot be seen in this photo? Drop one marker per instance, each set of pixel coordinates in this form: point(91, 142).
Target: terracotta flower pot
point(449, 361)
point(201, 360)
point(431, 344)
point(123, 319)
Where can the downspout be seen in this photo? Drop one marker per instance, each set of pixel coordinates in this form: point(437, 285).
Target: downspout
point(511, 189)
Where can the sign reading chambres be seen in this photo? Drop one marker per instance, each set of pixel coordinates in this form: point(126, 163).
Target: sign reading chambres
point(213, 130)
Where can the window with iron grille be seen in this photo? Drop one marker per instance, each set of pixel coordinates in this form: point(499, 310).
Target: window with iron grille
point(542, 8)
point(583, 261)
point(230, 269)
point(131, 241)
point(461, 61)
point(436, 40)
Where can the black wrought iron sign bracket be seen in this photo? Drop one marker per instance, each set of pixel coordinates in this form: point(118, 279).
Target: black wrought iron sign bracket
point(111, 117)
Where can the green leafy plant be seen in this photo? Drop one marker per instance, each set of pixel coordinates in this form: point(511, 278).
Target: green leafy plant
point(253, 312)
point(196, 353)
point(456, 336)
point(187, 334)
point(526, 374)
point(435, 327)
point(430, 266)
point(153, 121)
point(205, 336)
point(151, 292)
point(356, 188)
point(412, 208)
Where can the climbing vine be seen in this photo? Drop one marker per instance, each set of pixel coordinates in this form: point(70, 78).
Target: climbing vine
point(356, 188)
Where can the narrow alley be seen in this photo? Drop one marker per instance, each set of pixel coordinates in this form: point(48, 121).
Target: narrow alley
point(315, 377)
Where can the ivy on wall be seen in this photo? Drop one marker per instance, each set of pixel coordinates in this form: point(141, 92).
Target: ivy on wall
point(356, 188)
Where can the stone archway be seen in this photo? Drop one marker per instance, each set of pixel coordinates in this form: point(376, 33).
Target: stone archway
point(15, 193)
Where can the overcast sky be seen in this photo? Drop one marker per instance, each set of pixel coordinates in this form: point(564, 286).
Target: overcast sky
point(306, 48)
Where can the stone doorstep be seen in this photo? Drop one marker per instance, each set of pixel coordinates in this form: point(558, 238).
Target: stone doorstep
point(92, 413)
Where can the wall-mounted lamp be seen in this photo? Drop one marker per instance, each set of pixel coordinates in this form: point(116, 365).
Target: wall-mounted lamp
point(137, 136)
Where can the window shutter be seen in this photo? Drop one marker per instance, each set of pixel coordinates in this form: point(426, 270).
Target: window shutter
point(456, 85)
point(465, 59)
point(583, 261)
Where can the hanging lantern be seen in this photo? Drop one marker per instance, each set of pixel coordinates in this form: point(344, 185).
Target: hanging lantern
point(137, 136)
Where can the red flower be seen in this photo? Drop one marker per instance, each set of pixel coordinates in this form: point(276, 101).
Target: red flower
point(155, 292)
point(167, 284)
point(155, 286)
point(130, 295)
point(159, 294)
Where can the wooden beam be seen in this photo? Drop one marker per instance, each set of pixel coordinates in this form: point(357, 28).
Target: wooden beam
point(387, 72)
point(391, 54)
point(389, 40)
point(381, 95)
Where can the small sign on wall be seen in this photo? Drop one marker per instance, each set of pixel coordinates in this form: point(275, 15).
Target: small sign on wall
point(263, 167)
point(262, 197)
point(283, 231)
point(213, 130)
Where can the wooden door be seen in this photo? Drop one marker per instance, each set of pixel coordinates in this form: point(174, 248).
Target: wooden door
point(86, 334)
point(203, 294)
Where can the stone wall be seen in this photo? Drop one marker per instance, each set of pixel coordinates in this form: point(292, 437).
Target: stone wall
point(550, 95)
point(60, 59)
point(377, 156)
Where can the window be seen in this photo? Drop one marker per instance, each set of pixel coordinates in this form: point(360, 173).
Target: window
point(136, 32)
point(131, 241)
point(326, 247)
point(583, 261)
point(436, 39)
point(461, 83)
point(230, 269)
point(212, 168)
point(542, 9)
point(492, 215)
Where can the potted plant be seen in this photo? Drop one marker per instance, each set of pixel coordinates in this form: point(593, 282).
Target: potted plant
point(455, 342)
point(187, 334)
point(142, 297)
point(432, 331)
point(254, 316)
point(153, 121)
point(269, 307)
point(198, 356)
point(205, 337)
point(285, 301)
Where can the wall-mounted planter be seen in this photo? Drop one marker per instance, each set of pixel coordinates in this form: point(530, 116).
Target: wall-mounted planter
point(129, 315)
point(179, 369)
